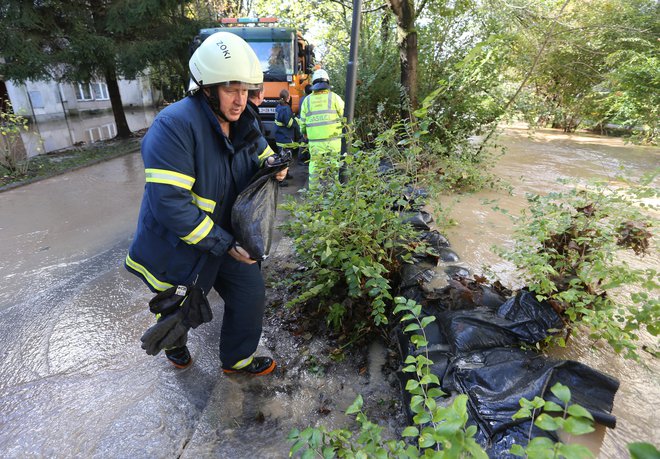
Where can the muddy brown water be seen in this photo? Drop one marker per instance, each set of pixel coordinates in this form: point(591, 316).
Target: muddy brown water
point(74, 382)
point(532, 164)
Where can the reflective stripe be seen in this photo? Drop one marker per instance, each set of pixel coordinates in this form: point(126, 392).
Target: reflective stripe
point(289, 124)
point(207, 205)
point(324, 140)
point(322, 123)
point(243, 363)
point(200, 232)
point(169, 178)
point(265, 154)
point(153, 281)
point(287, 145)
point(323, 112)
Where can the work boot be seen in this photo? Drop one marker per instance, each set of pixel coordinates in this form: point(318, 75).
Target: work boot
point(259, 366)
point(179, 356)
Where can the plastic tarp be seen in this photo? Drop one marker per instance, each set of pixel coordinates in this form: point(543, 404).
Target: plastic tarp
point(253, 214)
point(475, 346)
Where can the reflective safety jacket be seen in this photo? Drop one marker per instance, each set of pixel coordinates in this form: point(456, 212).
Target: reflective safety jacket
point(285, 125)
point(193, 175)
point(320, 116)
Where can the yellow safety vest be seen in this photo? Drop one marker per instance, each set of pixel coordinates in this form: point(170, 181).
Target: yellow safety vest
point(320, 116)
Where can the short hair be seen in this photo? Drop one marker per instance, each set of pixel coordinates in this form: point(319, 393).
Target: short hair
point(252, 93)
point(308, 89)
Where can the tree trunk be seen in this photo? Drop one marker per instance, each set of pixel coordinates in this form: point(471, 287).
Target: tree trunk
point(123, 131)
point(404, 11)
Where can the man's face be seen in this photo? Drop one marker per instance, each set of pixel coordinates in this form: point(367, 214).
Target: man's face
point(233, 99)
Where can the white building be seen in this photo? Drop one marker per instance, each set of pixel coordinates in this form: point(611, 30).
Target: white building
point(58, 111)
point(47, 100)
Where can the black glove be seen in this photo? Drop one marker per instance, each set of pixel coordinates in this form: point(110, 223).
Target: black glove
point(180, 309)
point(167, 331)
point(196, 309)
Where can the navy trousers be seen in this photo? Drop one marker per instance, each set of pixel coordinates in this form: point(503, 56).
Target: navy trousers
point(242, 288)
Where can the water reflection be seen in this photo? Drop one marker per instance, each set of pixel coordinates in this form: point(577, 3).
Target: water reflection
point(532, 164)
point(53, 135)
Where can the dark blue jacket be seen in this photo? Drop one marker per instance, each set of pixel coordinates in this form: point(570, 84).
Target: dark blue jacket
point(193, 175)
point(285, 125)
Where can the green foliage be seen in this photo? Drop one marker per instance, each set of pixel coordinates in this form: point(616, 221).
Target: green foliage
point(349, 237)
point(12, 153)
point(439, 431)
point(640, 450)
point(79, 41)
point(599, 66)
point(549, 416)
point(571, 248)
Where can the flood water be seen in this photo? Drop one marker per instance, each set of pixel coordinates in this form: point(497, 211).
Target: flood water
point(532, 164)
point(46, 136)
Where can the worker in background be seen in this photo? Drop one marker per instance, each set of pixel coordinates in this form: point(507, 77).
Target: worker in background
point(321, 123)
point(199, 154)
point(256, 98)
point(286, 126)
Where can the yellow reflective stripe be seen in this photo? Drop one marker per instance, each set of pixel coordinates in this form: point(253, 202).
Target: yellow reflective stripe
point(207, 205)
point(323, 123)
point(169, 178)
point(287, 145)
point(265, 154)
point(279, 123)
point(290, 122)
point(243, 363)
point(200, 232)
point(155, 283)
point(324, 140)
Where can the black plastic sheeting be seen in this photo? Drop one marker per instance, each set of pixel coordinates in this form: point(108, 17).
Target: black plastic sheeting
point(253, 214)
point(475, 344)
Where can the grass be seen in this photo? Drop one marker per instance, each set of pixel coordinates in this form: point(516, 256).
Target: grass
point(54, 163)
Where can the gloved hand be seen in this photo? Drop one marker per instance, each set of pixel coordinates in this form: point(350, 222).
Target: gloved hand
point(180, 309)
point(164, 333)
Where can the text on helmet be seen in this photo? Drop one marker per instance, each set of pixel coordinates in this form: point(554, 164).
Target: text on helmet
point(224, 49)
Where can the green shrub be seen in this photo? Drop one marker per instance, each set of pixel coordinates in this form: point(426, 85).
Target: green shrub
point(352, 242)
point(569, 247)
point(12, 153)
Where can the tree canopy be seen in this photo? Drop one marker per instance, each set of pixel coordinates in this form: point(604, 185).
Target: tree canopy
point(78, 41)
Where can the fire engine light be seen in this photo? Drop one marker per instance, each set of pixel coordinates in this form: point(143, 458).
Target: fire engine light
point(228, 20)
point(271, 19)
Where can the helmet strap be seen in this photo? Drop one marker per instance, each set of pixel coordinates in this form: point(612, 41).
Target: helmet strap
point(213, 101)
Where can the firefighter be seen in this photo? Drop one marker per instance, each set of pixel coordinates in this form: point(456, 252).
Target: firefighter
point(321, 123)
point(199, 154)
point(285, 122)
point(286, 126)
point(256, 98)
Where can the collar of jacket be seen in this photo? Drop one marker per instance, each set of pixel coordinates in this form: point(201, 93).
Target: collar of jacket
point(241, 131)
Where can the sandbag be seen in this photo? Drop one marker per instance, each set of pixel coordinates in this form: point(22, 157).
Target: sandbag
point(253, 213)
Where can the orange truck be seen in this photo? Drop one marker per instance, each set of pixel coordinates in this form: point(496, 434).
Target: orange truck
point(286, 58)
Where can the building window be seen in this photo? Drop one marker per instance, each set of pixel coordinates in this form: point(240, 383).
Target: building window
point(100, 91)
point(36, 99)
point(83, 92)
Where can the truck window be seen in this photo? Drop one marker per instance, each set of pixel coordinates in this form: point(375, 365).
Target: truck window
point(276, 58)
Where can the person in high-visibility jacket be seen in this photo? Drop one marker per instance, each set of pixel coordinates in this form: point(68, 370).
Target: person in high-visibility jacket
point(321, 122)
point(199, 154)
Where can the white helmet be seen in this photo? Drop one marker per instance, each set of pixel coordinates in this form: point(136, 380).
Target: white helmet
point(320, 76)
point(225, 58)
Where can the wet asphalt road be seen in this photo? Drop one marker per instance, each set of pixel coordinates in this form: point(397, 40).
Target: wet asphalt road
point(73, 379)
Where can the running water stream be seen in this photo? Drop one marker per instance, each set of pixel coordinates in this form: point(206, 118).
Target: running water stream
point(532, 164)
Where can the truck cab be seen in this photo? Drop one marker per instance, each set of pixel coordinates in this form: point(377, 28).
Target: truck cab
point(285, 56)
